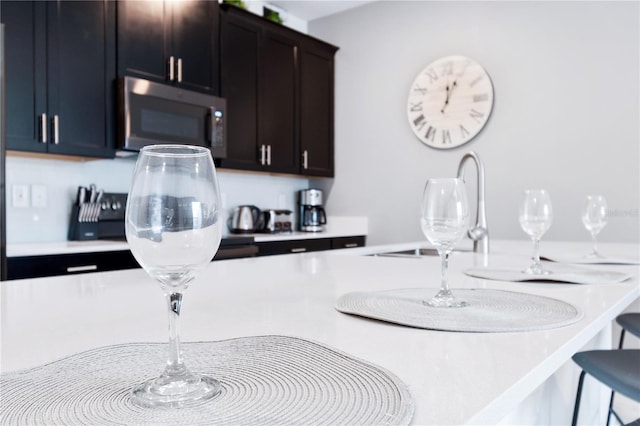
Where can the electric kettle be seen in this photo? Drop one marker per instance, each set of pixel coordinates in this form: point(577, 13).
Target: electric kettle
point(245, 220)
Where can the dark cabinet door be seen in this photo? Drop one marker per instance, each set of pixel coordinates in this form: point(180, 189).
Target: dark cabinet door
point(60, 69)
point(25, 68)
point(80, 75)
point(239, 71)
point(316, 109)
point(278, 100)
point(141, 39)
point(170, 41)
point(193, 42)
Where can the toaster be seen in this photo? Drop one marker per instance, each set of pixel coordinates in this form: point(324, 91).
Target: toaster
point(277, 220)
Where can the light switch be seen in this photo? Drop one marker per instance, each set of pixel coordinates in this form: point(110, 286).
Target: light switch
point(20, 195)
point(39, 196)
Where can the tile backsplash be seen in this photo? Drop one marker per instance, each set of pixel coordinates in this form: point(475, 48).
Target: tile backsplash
point(60, 179)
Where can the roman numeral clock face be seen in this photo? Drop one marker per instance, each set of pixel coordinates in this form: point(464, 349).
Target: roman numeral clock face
point(450, 102)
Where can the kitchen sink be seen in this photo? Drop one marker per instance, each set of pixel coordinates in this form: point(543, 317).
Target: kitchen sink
point(414, 253)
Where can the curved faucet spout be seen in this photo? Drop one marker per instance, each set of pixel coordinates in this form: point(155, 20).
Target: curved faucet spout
point(479, 233)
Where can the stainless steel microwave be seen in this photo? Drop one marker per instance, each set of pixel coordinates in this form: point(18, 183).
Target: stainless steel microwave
point(154, 113)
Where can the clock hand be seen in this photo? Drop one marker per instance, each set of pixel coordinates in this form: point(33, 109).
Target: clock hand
point(449, 91)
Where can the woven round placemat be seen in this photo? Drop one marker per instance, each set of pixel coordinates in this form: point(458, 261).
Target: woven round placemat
point(265, 380)
point(488, 310)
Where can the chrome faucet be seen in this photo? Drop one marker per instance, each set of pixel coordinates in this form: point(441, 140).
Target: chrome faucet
point(479, 233)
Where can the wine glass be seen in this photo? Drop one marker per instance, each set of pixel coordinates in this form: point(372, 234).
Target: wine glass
point(594, 218)
point(444, 220)
point(173, 227)
point(535, 217)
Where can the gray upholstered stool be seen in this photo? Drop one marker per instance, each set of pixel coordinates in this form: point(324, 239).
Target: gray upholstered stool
point(618, 369)
point(629, 322)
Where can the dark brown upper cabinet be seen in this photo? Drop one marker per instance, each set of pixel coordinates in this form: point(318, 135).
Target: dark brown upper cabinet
point(279, 89)
point(170, 41)
point(60, 67)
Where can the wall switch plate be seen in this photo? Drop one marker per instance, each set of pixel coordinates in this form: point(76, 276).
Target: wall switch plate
point(20, 195)
point(39, 196)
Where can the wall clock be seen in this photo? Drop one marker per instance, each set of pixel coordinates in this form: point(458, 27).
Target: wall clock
point(450, 101)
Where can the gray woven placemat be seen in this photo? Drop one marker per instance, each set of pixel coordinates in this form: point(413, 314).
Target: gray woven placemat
point(265, 380)
point(488, 310)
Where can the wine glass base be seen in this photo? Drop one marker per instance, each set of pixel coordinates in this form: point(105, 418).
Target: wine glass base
point(445, 299)
point(594, 255)
point(167, 392)
point(536, 270)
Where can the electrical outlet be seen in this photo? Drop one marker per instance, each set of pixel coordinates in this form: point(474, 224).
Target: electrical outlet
point(20, 195)
point(39, 196)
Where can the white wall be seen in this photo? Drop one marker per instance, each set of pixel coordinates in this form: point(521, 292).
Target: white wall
point(566, 114)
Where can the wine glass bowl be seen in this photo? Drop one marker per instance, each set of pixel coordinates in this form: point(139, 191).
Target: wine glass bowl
point(444, 221)
point(594, 218)
point(535, 216)
point(173, 228)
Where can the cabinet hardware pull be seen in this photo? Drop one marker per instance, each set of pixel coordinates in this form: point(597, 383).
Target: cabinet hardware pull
point(262, 154)
point(171, 61)
point(268, 155)
point(305, 159)
point(351, 245)
point(179, 70)
point(43, 128)
point(56, 129)
point(298, 250)
point(82, 268)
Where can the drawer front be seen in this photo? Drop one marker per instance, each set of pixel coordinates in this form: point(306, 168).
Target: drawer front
point(348, 242)
point(293, 246)
point(64, 264)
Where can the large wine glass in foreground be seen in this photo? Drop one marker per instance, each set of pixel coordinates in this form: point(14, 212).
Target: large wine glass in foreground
point(444, 220)
point(535, 217)
point(173, 228)
point(594, 218)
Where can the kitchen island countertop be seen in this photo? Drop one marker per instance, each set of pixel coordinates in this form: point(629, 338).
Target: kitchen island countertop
point(454, 377)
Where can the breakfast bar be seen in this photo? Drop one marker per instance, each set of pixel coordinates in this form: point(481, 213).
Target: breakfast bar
point(453, 377)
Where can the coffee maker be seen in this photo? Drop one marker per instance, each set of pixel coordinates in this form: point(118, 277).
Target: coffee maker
point(311, 214)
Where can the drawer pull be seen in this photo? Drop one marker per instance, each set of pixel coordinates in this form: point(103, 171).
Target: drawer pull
point(84, 268)
point(298, 250)
point(351, 245)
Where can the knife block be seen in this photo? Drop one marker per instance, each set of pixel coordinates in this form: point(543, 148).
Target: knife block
point(81, 231)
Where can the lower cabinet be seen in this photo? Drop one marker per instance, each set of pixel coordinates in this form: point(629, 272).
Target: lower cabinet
point(65, 264)
point(269, 248)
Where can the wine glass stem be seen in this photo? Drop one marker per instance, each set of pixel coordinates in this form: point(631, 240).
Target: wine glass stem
point(536, 252)
point(444, 284)
point(174, 363)
point(595, 244)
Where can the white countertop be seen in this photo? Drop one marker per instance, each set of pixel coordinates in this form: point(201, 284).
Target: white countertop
point(454, 378)
point(339, 226)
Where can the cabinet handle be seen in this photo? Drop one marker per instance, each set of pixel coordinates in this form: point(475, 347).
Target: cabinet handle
point(351, 245)
point(268, 155)
point(262, 154)
point(305, 159)
point(171, 65)
point(43, 128)
point(84, 268)
point(56, 129)
point(179, 70)
point(298, 250)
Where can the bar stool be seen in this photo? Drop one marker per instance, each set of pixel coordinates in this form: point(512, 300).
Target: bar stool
point(629, 322)
point(617, 369)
